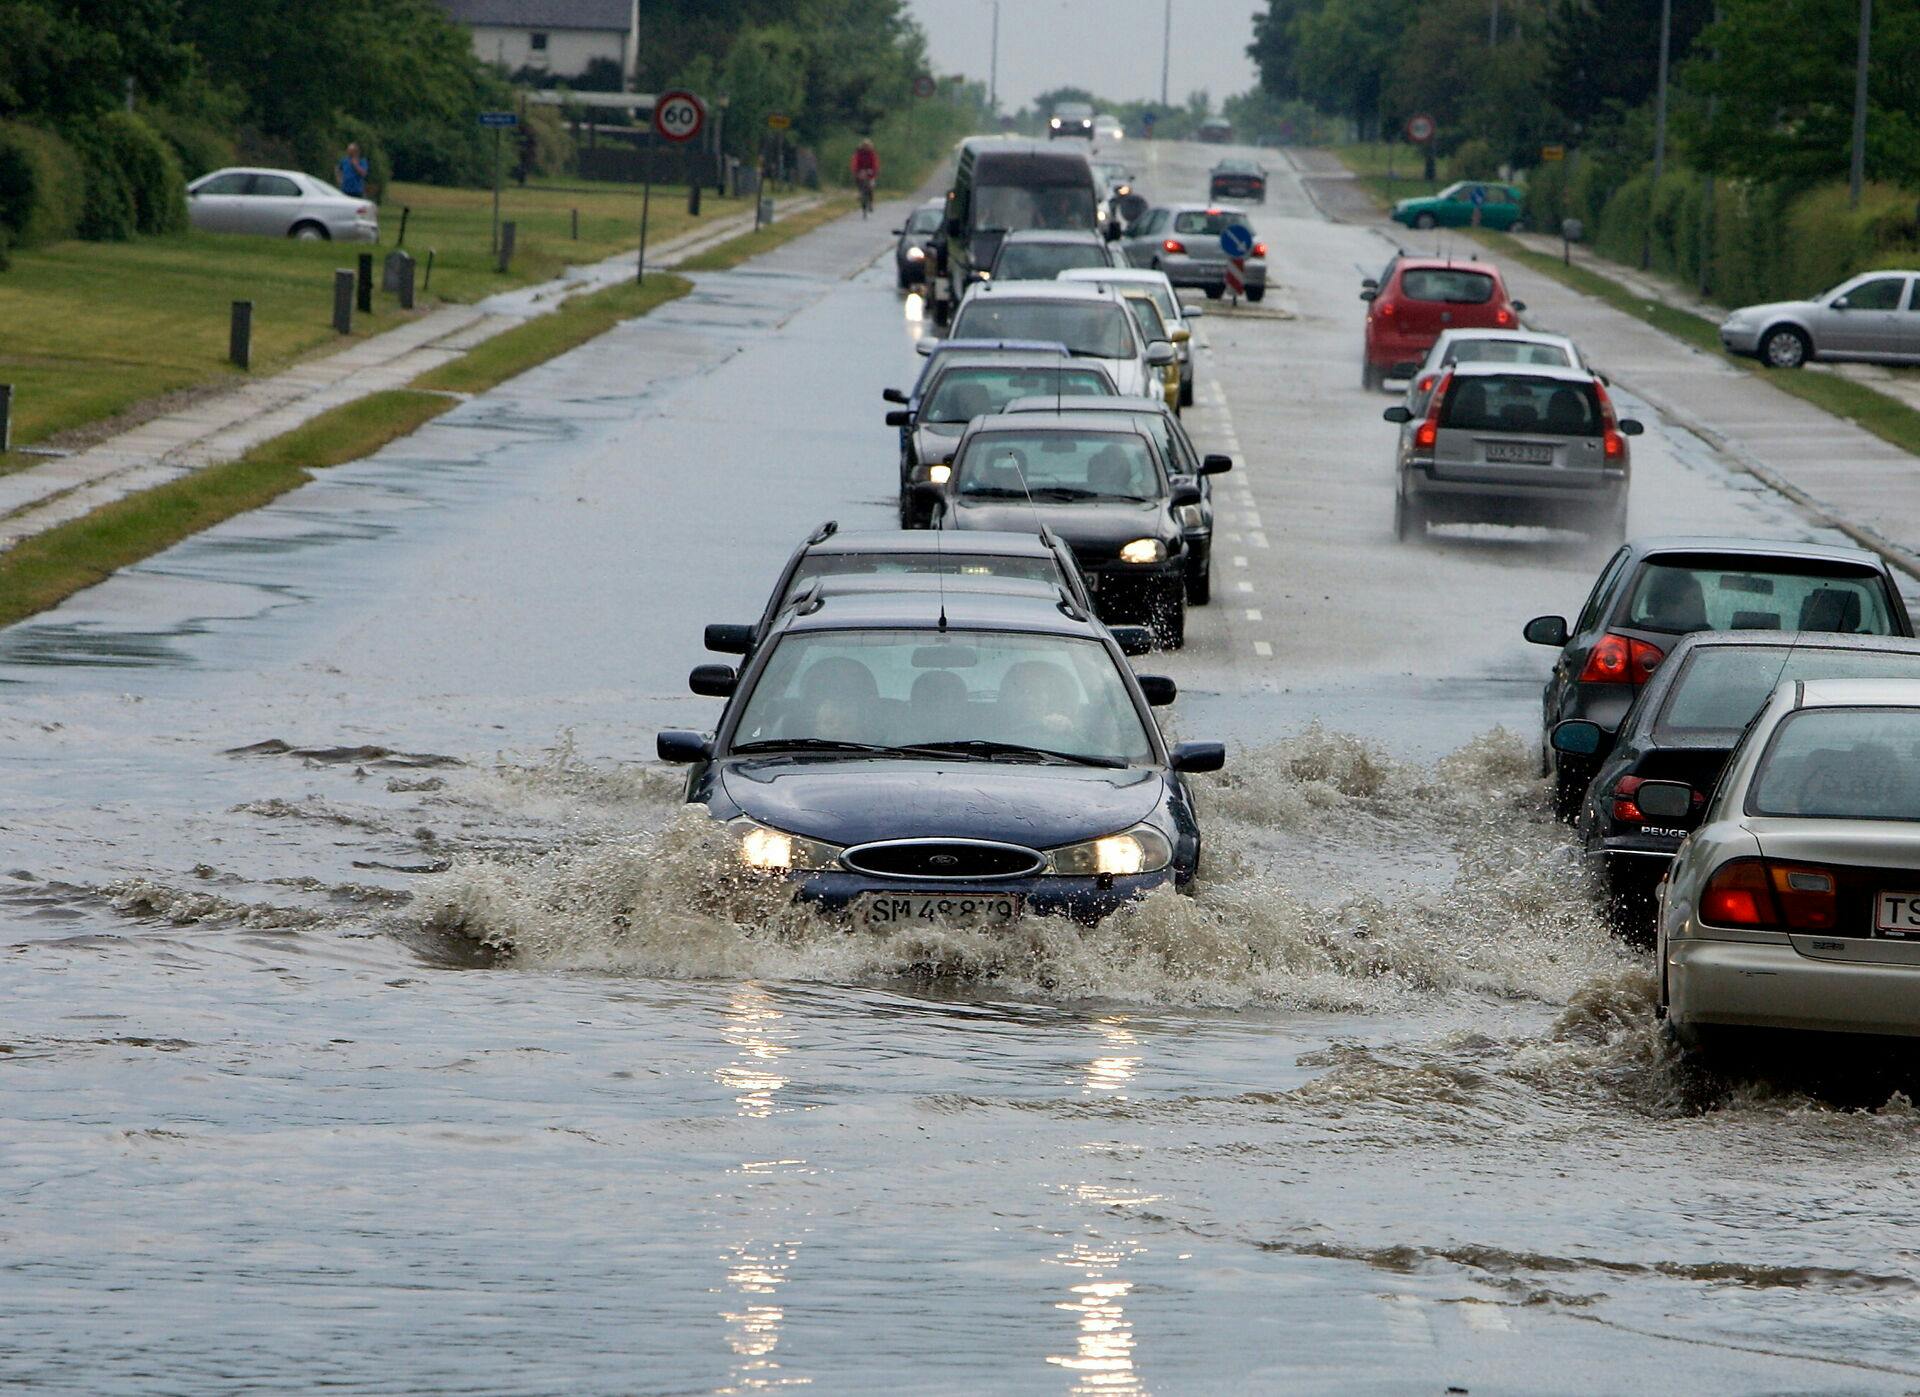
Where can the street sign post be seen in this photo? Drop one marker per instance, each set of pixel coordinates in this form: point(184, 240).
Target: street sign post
point(497, 122)
point(1421, 130)
point(1147, 118)
point(1478, 198)
point(1236, 240)
point(677, 116)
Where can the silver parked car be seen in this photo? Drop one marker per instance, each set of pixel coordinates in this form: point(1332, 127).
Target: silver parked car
point(280, 204)
point(1873, 316)
point(1183, 240)
point(1513, 444)
point(1796, 903)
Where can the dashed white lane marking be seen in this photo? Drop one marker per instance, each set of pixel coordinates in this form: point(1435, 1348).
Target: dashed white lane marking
point(1239, 560)
point(1257, 539)
point(1253, 613)
point(1486, 1316)
point(1407, 1323)
point(1253, 520)
point(1262, 649)
point(1244, 586)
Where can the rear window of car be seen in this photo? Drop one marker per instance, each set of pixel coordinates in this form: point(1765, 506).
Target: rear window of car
point(1508, 352)
point(1045, 261)
point(1213, 221)
point(1842, 764)
point(966, 392)
point(1522, 403)
point(1025, 567)
point(1728, 595)
point(1722, 687)
point(1455, 287)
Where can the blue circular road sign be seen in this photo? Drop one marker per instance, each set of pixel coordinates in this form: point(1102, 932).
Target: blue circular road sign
point(1236, 240)
point(1479, 195)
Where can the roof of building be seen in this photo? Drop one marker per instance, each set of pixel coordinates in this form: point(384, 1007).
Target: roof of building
point(611, 15)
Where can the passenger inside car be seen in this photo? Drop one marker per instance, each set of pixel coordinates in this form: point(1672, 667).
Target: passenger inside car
point(1680, 598)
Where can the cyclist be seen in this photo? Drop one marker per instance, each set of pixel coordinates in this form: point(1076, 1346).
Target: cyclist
point(866, 173)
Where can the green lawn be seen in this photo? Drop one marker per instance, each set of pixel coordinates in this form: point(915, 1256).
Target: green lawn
point(93, 329)
point(1372, 161)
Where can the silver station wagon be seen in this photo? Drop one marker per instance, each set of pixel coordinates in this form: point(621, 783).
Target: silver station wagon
point(1796, 903)
point(1514, 444)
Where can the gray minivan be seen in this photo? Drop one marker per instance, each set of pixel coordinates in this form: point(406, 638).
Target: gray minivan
point(1003, 186)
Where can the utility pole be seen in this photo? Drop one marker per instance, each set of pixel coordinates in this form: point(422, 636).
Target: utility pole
point(993, 63)
point(1166, 53)
point(1659, 133)
point(1858, 177)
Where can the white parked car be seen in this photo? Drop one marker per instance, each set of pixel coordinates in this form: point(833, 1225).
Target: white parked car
point(1796, 903)
point(280, 204)
point(1093, 322)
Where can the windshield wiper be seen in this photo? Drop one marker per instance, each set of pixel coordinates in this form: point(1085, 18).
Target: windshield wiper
point(813, 744)
point(1062, 492)
point(988, 749)
point(994, 492)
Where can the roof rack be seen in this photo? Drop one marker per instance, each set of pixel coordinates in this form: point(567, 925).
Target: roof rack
point(824, 532)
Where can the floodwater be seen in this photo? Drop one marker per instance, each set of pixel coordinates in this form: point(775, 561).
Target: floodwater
point(373, 1016)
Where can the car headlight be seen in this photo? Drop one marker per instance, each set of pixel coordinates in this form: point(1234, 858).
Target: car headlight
point(916, 254)
point(776, 851)
point(1144, 550)
point(1055, 123)
point(1142, 849)
point(940, 474)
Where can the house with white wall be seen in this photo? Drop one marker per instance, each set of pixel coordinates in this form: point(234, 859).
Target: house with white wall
point(557, 37)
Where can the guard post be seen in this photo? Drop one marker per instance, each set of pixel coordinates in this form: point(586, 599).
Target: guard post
point(343, 300)
point(6, 418)
point(365, 291)
point(240, 335)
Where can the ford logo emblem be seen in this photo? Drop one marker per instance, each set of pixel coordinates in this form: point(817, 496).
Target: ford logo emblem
point(943, 861)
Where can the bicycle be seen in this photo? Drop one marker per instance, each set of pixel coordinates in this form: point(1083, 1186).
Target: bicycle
point(866, 195)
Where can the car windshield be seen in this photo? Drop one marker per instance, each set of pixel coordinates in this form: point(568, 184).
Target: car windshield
point(1161, 292)
point(1722, 687)
point(1507, 352)
point(1058, 465)
point(1045, 261)
point(1446, 284)
point(1522, 403)
point(956, 562)
point(1729, 596)
point(965, 393)
point(897, 688)
point(1214, 221)
point(1096, 329)
point(1065, 207)
point(924, 221)
point(1842, 764)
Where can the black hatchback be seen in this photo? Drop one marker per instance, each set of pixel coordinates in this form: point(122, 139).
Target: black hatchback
point(912, 760)
point(1655, 590)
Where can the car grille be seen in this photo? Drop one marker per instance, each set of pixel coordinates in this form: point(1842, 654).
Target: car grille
point(943, 859)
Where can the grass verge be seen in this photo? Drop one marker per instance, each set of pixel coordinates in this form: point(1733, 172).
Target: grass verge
point(1886, 417)
point(1389, 172)
point(578, 320)
point(41, 571)
point(734, 251)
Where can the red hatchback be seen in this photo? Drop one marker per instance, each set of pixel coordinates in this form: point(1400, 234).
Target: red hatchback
point(1416, 298)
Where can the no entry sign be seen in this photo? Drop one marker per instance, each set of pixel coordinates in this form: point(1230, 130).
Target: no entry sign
point(678, 116)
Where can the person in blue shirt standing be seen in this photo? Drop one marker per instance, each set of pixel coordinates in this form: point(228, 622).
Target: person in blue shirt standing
point(353, 172)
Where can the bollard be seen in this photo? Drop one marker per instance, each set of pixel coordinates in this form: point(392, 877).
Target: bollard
point(6, 418)
point(426, 285)
point(693, 199)
point(576, 225)
point(406, 284)
point(343, 301)
point(366, 283)
point(507, 231)
point(240, 335)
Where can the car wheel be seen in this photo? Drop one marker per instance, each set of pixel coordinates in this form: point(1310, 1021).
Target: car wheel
point(310, 233)
point(1784, 347)
point(1186, 392)
point(1570, 783)
point(1424, 221)
point(1214, 293)
point(1200, 585)
point(1256, 293)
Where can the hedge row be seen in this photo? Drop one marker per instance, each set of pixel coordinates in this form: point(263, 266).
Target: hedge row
point(1758, 241)
point(105, 181)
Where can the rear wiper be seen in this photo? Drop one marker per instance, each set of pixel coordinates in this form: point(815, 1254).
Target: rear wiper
point(813, 744)
point(984, 747)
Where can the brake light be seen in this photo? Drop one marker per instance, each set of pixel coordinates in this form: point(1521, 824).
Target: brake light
point(1503, 316)
point(1768, 896)
point(1386, 308)
point(1624, 808)
point(1618, 659)
point(1427, 434)
point(1613, 445)
point(1173, 245)
point(1259, 249)
point(1426, 383)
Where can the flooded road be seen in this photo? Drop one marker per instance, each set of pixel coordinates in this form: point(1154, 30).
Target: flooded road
point(371, 1016)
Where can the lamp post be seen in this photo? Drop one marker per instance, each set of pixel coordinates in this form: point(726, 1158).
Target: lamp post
point(1166, 52)
point(993, 63)
point(1659, 132)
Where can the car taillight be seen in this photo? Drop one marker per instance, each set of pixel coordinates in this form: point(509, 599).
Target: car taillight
point(1259, 249)
point(1619, 659)
point(1768, 896)
point(1613, 444)
point(1427, 434)
point(1386, 308)
point(1503, 316)
point(1173, 245)
point(1426, 383)
point(1624, 808)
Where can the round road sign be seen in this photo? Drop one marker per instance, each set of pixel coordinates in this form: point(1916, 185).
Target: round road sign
point(925, 86)
point(1420, 128)
point(678, 116)
point(1236, 240)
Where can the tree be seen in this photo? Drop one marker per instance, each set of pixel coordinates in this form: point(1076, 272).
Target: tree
point(67, 59)
point(1603, 56)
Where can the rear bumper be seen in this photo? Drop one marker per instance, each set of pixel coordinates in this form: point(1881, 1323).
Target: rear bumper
point(1741, 984)
point(1514, 501)
point(359, 230)
point(1206, 274)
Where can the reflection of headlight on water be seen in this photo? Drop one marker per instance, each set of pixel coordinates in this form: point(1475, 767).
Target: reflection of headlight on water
point(1142, 849)
point(1144, 550)
point(776, 851)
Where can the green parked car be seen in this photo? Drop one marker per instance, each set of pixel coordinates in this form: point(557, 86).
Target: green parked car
point(1503, 207)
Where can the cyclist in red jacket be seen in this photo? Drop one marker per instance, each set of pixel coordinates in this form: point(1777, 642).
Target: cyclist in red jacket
point(866, 173)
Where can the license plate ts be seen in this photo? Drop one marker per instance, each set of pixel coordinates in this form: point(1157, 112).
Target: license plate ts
point(897, 911)
point(1897, 916)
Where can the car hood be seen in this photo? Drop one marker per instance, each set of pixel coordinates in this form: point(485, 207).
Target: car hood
point(1094, 531)
point(934, 441)
point(1771, 309)
point(852, 801)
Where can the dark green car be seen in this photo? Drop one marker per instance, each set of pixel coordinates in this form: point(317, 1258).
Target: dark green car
point(1503, 206)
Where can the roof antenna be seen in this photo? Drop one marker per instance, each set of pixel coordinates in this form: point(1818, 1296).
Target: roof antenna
point(940, 575)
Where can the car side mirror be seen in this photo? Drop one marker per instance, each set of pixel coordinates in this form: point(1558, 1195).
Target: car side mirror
point(1577, 737)
point(1369, 294)
point(713, 681)
point(1546, 630)
point(923, 347)
point(681, 746)
point(1842, 303)
point(1664, 800)
point(1215, 464)
point(1197, 756)
point(899, 417)
point(1133, 640)
point(894, 395)
point(1184, 495)
point(728, 638)
point(1158, 690)
point(1518, 306)
point(1399, 412)
point(1630, 427)
point(1160, 354)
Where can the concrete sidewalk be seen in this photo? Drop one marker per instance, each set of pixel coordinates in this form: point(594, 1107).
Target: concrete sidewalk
point(226, 425)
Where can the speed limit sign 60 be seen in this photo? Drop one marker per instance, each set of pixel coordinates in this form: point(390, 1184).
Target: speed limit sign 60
point(678, 116)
